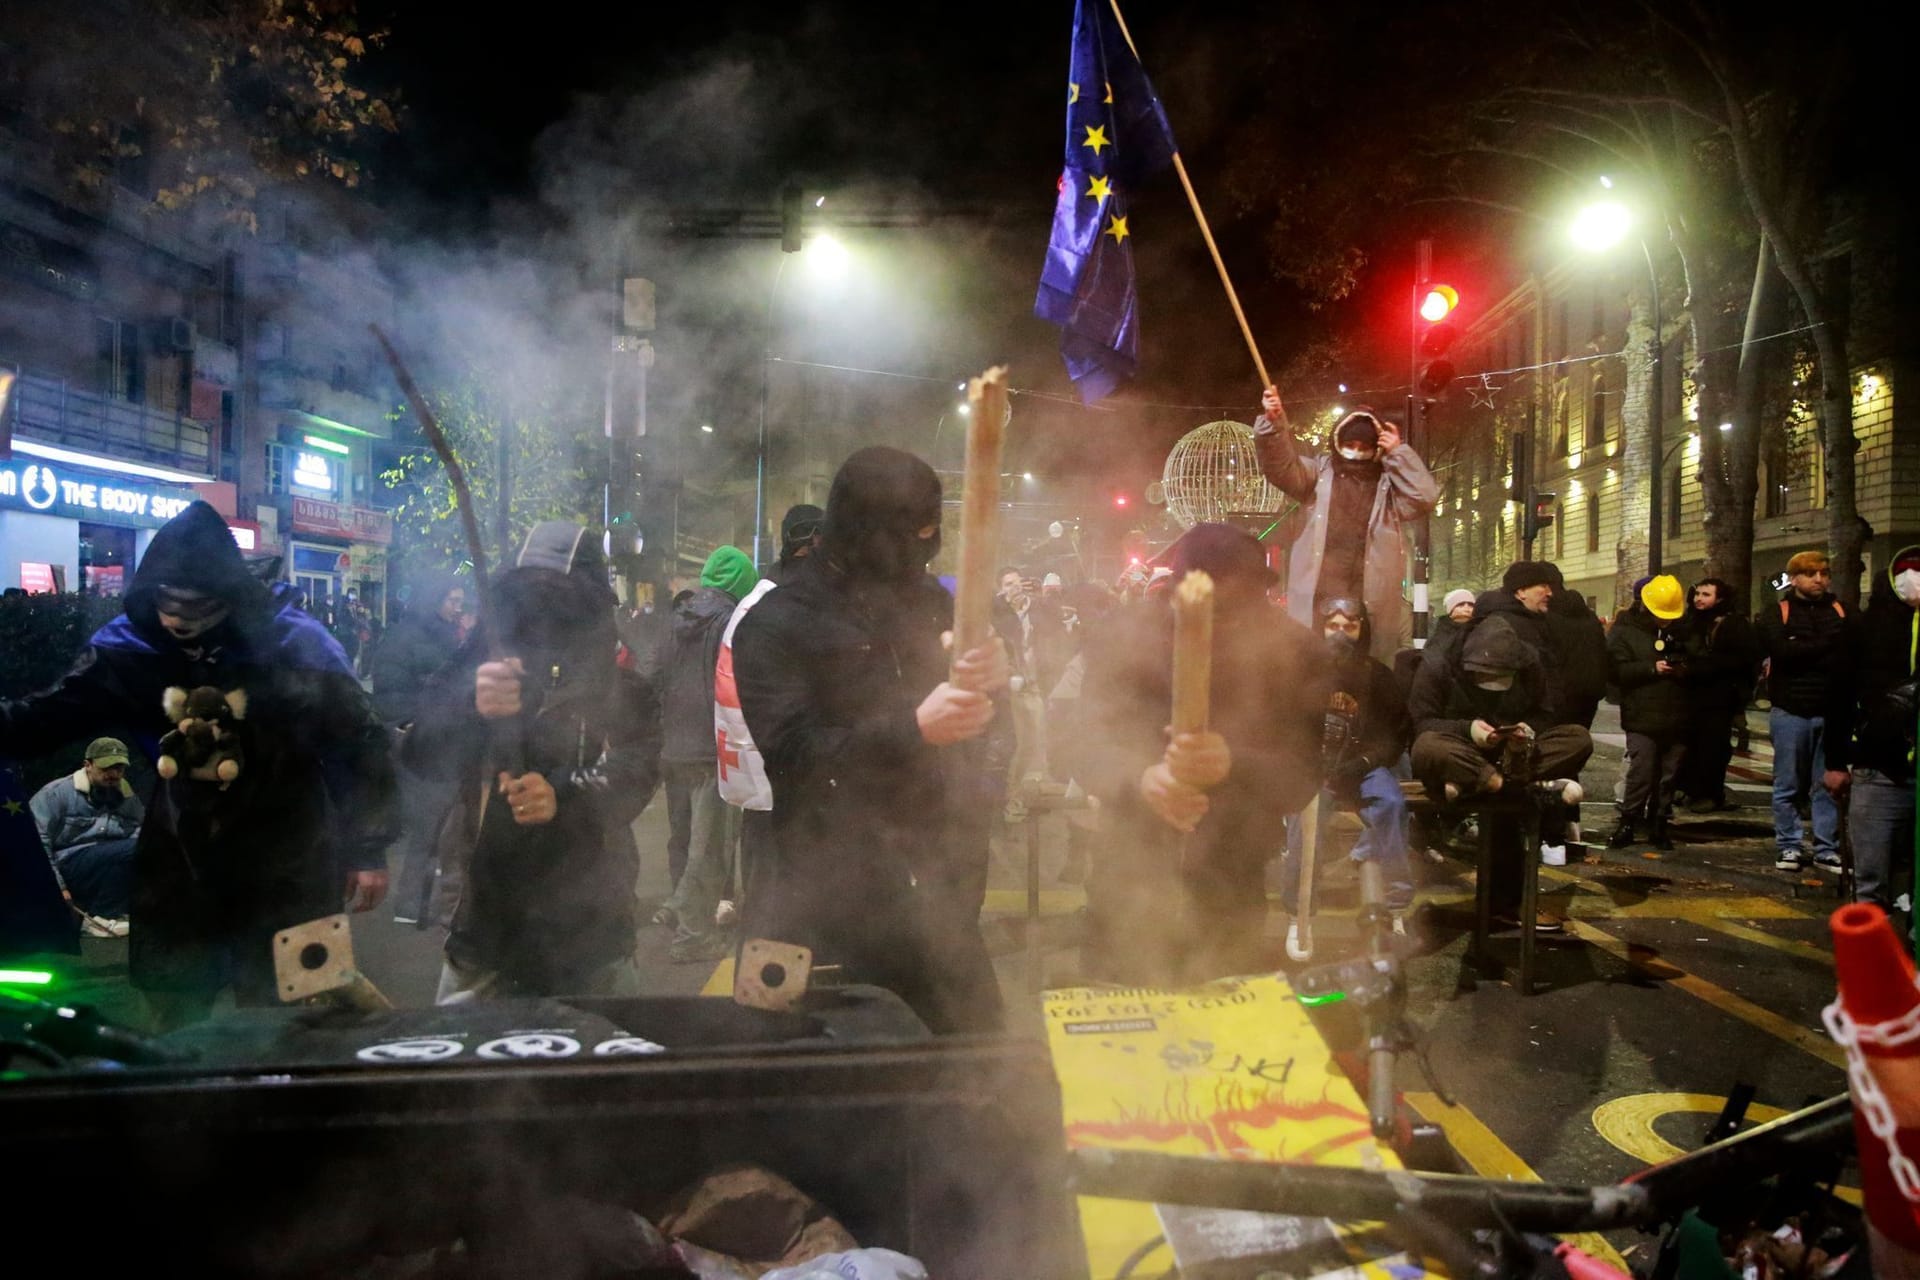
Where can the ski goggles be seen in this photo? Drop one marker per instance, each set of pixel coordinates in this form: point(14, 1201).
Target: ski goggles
point(187, 604)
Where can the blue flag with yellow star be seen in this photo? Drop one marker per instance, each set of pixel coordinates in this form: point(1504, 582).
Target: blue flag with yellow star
point(1117, 136)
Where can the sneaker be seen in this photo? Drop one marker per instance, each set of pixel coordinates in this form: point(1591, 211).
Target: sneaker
point(1399, 924)
point(726, 913)
point(104, 927)
point(1622, 835)
point(1789, 860)
point(1827, 860)
point(1546, 922)
point(666, 916)
point(1553, 855)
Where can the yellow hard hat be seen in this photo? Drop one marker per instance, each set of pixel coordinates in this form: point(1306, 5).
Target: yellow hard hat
point(1664, 597)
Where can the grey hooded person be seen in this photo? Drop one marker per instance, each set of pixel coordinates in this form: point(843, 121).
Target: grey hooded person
point(1358, 497)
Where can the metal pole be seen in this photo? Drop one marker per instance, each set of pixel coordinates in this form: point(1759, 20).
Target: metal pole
point(760, 459)
point(1417, 441)
point(1656, 411)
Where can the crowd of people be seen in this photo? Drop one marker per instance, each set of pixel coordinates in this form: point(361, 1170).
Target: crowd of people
point(835, 774)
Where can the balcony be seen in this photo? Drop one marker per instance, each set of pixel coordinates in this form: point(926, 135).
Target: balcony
point(53, 411)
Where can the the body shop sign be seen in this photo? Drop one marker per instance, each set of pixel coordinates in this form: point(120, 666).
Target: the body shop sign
point(86, 495)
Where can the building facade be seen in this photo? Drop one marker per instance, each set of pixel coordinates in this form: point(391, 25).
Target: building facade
point(1549, 360)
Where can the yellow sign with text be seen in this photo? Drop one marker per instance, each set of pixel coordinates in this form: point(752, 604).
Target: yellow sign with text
point(1233, 1070)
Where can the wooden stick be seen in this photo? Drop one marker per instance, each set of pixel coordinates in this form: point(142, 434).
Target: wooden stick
point(1206, 232)
point(1192, 652)
point(980, 511)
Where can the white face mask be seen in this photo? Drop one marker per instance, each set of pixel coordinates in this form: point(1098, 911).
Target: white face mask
point(1355, 453)
point(1494, 683)
point(1906, 585)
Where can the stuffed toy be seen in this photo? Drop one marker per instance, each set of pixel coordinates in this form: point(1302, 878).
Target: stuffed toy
point(204, 743)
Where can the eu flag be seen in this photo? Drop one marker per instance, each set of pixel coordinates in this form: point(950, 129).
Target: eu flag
point(1117, 136)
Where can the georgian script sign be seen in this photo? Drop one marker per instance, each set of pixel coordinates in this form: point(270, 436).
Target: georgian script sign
point(311, 515)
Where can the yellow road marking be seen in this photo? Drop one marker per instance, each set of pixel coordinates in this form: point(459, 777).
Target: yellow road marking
point(1481, 1148)
point(1813, 1042)
point(1733, 928)
point(1627, 1122)
point(720, 981)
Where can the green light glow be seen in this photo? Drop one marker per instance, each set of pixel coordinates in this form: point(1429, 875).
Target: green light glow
point(1331, 997)
point(25, 977)
point(331, 446)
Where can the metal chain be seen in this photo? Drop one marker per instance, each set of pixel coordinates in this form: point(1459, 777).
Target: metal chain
point(1867, 1093)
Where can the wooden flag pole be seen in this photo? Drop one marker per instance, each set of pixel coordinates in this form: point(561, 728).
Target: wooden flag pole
point(1192, 652)
point(980, 511)
point(1206, 232)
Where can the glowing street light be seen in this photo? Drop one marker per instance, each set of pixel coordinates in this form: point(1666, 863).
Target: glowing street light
point(707, 427)
point(826, 258)
point(1601, 225)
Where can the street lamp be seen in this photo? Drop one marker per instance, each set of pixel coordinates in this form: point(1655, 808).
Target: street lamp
point(1598, 228)
point(826, 262)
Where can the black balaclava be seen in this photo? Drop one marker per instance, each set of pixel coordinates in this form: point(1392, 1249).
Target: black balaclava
point(1338, 645)
point(879, 502)
point(798, 528)
point(194, 567)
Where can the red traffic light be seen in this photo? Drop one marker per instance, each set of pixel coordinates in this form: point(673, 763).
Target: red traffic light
point(1438, 303)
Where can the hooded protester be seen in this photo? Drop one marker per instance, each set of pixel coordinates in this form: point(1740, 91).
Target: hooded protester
point(874, 754)
point(702, 827)
point(551, 747)
point(1800, 638)
point(1465, 712)
point(1361, 495)
point(1719, 681)
point(1651, 653)
point(1871, 724)
point(218, 869)
point(1178, 894)
point(799, 537)
point(1359, 752)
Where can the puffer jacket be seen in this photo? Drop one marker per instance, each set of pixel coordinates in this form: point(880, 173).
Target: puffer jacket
point(1650, 703)
point(1800, 640)
point(69, 815)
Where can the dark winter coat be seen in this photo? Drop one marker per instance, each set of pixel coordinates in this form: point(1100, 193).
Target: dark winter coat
point(1579, 644)
point(1870, 705)
point(1380, 732)
point(550, 905)
point(686, 675)
point(1446, 699)
point(1446, 639)
point(1650, 703)
point(868, 817)
point(218, 871)
point(407, 659)
point(1801, 650)
point(1725, 655)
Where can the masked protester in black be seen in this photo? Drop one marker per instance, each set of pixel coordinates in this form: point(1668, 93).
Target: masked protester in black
point(1178, 894)
point(874, 755)
point(552, 749)
point(1719, 681)
point(218, 869)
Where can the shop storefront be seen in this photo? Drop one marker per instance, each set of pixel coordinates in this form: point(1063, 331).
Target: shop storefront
point(333, 549)
point(70, 527)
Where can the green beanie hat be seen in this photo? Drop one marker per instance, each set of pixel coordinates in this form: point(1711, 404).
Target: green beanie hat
point(731, 570)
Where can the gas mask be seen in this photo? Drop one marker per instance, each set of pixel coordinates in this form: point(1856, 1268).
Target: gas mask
point(1340, 645)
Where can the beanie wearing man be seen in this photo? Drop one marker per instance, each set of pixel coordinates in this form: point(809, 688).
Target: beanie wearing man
point(730, 570)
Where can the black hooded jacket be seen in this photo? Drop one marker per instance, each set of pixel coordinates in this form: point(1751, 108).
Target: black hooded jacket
point(547, 905)
point(1381, 731)
point(868, 816)
point(219, 869)
point(1724, 657)
point(1447, 700)
point(1870, 704)
point(411, 654)
point(1536, 631)
point(1579, 644)
point(1801, 640)
point(686, 675)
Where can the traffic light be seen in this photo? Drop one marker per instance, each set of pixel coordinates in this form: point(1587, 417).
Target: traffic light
point(1119, 499)
point(1437, 304)
point(1539, 516)
point(790, 219)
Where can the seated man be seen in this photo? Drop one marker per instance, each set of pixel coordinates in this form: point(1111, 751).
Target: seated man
point(1484, 712)
point(1362, 739)
point(88, 821)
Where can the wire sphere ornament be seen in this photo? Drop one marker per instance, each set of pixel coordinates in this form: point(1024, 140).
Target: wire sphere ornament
point(1212, 473)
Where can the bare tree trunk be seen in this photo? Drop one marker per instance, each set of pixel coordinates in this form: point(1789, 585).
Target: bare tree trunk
point(1730, 460)
point(1637, 462)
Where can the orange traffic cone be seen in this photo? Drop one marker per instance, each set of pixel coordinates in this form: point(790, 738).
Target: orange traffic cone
point(1877, 1020)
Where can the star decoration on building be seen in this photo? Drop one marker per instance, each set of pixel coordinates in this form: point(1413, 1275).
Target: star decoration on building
point(1117, 228)
point(1100, 187)
point(1096, 137)
point(1073, 94)
point(1482, 396)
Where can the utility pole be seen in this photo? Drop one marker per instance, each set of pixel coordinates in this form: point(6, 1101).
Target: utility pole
point(1417, 441)
point(626, 427)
